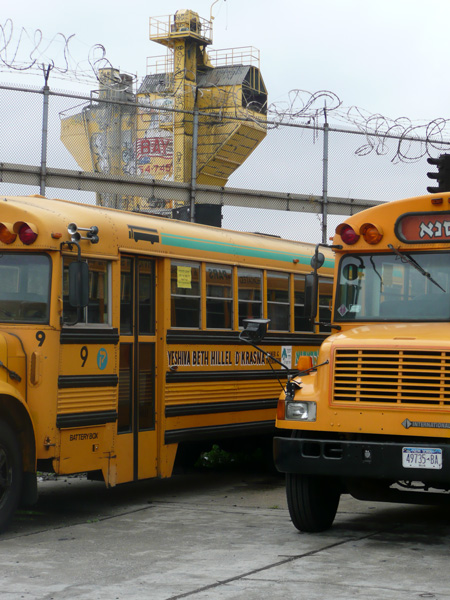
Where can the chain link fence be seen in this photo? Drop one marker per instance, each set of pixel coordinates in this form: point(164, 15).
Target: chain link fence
point(286, 167)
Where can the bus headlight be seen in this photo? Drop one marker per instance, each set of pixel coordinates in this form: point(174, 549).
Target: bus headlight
point(301, 411)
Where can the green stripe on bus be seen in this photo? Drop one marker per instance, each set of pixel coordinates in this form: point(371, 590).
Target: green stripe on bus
point(227, 248)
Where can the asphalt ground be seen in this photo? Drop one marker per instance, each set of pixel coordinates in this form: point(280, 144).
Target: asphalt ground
point(217, 535)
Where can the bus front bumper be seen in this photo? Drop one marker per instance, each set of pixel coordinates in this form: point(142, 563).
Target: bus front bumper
point(358, 459)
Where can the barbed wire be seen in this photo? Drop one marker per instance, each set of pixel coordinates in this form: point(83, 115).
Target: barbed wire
point(25, 53)
point(304, 105)
point(22, 52)
point(413, 140)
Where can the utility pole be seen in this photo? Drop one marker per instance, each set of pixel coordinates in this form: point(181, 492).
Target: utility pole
point(46, 91)
point(325, 178)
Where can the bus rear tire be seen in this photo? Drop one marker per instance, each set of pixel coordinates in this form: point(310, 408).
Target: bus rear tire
point(10, 474)
point(312, 501)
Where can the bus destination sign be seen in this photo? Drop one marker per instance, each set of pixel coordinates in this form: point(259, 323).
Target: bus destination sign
point(425, 228)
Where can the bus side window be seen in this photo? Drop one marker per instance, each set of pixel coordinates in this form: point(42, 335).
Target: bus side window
point(325, 298)
point(249, 294)
point(278, 307)
point(219, 297)
point(302, 322)
point(185, 294)
point(146, 296)
point(126, 296)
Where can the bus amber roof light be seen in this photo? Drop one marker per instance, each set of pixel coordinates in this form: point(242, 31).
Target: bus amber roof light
point(281, 409)
point(347, 233)
point(372, 234)
point(27, 232)
point(6, 234)
point(304, 363)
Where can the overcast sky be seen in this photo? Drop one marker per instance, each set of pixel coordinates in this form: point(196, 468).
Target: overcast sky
point(388, 56)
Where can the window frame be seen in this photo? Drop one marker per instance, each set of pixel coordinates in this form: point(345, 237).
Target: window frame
point(230, 300)
point(45, 320)
point(325, 281)
point(240, 301)
point(189, 263)
point(274, 303)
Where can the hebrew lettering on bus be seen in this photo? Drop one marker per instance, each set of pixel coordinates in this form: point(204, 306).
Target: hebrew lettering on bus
point(434, 230)
point(424, 227)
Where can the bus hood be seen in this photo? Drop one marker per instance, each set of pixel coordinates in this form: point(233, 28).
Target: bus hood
point(393, 334)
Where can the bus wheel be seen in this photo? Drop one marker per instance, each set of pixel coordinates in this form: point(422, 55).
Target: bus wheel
point(312, 501)
point(10, 474)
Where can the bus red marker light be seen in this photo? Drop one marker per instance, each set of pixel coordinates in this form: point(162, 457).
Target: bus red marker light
point(347, 233)
point(26, 231)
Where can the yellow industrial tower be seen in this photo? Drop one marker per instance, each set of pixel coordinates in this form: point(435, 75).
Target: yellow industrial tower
point(196, 116)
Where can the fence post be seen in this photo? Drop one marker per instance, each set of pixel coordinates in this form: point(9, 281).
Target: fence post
point(46, 91)
point(325, 179)
point(194, 158)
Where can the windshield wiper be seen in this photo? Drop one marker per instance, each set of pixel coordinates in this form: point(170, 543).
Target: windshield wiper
point(405, 258)
point(377, 274)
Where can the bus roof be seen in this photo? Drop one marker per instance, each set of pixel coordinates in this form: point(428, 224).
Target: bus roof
point(126, 231)
point(422, 222)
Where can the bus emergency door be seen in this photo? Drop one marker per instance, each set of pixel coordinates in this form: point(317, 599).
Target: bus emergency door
point(136, 432)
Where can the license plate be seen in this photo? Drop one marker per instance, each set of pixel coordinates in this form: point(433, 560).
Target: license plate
point(422, 458)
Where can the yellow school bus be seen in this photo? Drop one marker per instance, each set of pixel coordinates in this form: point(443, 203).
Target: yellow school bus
point(374, 419)
point(119, 339)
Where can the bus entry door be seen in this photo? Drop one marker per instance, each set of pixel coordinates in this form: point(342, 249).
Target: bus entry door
point(136, 433)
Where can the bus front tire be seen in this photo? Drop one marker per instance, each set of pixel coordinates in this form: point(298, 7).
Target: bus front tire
point(10, 474)
point(312, 501)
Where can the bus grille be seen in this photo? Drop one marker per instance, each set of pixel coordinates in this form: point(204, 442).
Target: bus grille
point(405, 377)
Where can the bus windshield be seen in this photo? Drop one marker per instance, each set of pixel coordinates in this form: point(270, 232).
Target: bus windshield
point(399, 286)
point(24, 288)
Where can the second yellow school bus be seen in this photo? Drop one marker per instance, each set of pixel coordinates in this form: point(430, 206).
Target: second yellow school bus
point(373, 421)
point(119, 339)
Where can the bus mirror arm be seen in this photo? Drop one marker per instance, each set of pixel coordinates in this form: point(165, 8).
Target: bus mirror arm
point(69, 245)
point(249, 340)
point(292, 386)
point(312, 281)
point(325, 324)
point(254, 331)
point(318, 258)
point(269, 356)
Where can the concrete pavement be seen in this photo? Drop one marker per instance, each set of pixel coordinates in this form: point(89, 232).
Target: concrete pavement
point(217, 536)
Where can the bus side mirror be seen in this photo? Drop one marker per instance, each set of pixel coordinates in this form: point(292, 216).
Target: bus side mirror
point(317, 260)
point(254, 330)
point(311, 285)
point(78, 284)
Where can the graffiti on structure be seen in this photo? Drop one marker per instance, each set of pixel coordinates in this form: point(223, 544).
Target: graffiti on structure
point(154, 150)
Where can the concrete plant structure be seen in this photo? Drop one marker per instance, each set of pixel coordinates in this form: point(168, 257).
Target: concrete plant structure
point(195, 118)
